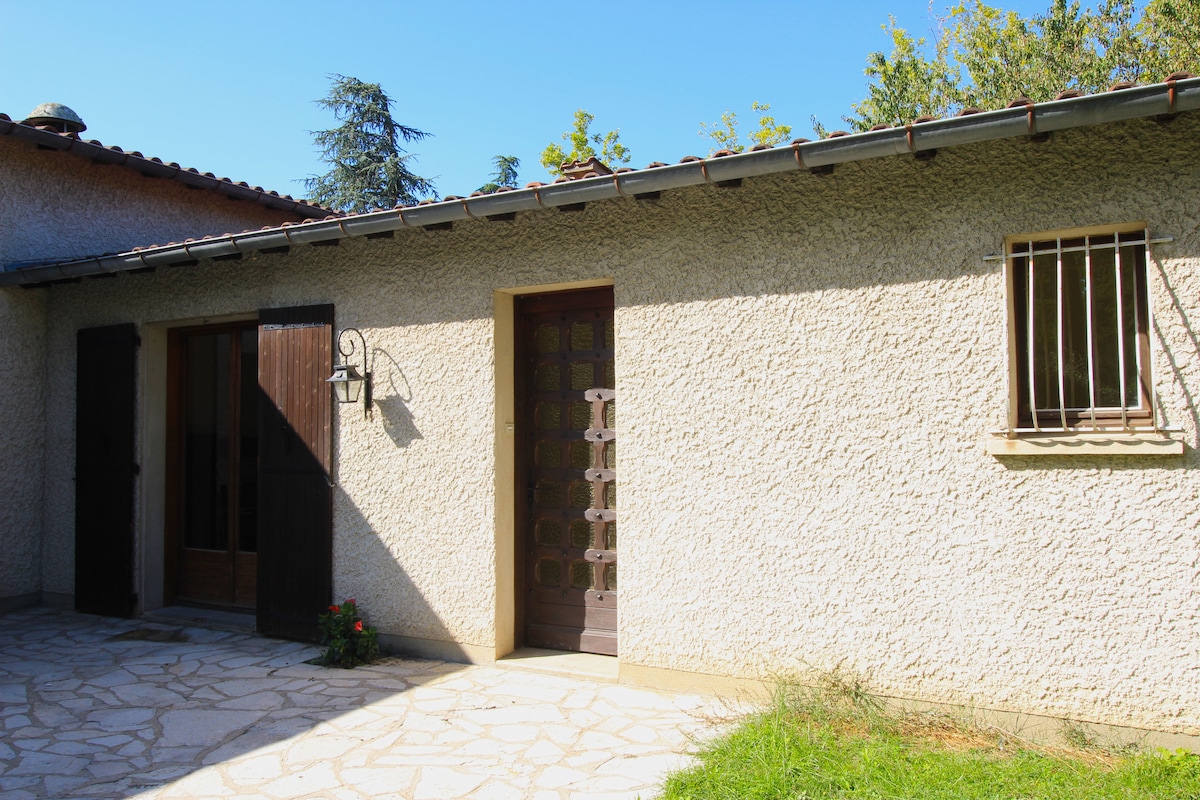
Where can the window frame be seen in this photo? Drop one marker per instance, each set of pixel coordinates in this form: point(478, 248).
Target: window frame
point(1024, 419)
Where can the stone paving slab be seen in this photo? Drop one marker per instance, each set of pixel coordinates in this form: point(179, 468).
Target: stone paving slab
point(92, 707)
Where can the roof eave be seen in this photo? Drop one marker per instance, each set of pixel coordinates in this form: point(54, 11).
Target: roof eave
point(1161, 99)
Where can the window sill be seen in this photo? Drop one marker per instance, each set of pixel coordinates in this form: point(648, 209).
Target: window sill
point(1085, 444)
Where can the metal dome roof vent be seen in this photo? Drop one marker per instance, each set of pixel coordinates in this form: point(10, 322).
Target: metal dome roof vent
point(55, 116)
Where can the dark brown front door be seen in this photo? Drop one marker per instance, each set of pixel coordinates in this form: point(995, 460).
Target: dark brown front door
point(566, 463)
point(213, 482)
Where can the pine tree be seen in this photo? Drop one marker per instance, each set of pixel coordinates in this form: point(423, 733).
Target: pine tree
point(369, 168)
point(505, 175)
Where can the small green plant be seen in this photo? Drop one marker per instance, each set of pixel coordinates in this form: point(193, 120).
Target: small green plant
point(349, 642)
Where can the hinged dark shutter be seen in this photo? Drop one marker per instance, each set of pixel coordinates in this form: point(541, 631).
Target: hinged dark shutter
point(105, 466)
point(295, 501)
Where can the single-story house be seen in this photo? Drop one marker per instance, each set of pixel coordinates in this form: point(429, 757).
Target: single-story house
point(916, 403)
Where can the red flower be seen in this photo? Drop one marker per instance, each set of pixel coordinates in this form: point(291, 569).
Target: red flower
point(350, 602)
point(358, 626)
point(334, 609)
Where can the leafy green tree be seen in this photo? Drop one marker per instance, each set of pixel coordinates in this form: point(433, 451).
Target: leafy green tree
point(1170, 33)
point(583, 145)
point(724, 134)
point(908, 84)
point(505, 175)
point(368, 167)
point(986, 57)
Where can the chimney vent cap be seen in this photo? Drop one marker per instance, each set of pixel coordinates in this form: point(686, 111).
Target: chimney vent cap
point(55, 116)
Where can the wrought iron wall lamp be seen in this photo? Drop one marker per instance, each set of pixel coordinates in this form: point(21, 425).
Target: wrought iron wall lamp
point(347, 382)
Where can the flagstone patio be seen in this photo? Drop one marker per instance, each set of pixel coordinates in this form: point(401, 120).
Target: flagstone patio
point(93, 707)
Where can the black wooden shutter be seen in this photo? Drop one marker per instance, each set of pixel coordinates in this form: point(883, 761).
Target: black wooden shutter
point(105, 466)
point(295, 501)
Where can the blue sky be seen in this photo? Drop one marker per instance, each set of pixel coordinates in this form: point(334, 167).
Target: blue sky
point(228, 87)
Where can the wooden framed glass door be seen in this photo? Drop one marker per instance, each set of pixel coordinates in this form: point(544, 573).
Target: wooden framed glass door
point(212, 483)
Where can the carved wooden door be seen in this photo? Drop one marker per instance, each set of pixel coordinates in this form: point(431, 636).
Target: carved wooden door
point(567, 467)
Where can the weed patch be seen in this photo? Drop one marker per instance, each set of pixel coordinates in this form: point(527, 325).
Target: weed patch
point(837, 741)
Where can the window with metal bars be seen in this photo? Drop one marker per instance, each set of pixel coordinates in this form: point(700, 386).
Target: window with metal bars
point(1081, 332)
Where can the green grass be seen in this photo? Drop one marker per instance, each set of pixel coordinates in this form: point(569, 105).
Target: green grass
point(835, 741)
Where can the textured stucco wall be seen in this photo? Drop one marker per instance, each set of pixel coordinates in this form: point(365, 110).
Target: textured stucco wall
point(59, 206)
point(807, 366)
point(22, 353)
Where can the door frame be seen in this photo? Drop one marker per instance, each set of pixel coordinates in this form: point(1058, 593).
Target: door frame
point(153, 397)
point(509, 601)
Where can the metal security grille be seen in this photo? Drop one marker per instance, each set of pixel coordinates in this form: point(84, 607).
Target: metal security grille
point(1081, 311)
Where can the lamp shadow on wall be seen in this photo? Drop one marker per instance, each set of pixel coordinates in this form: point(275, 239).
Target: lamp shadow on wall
point(393, 393)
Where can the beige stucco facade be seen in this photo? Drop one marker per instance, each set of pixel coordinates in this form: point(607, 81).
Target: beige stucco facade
point(807, 369)
point(62, 206)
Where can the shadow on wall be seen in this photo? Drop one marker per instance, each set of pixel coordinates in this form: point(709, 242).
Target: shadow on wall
point(393, 393)
point(1172, 359)
point(370, 571)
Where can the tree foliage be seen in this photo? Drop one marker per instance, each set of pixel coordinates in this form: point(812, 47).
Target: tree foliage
point(368, 167)
point(725, 136)
point(985, 57)
point(583, 145)
point(505, 175)
point(1170, 32)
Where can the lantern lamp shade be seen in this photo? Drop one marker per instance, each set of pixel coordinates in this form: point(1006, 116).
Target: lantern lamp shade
point(347, 383)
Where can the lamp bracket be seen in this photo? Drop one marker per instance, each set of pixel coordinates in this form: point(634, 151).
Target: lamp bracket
point(346, 352)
